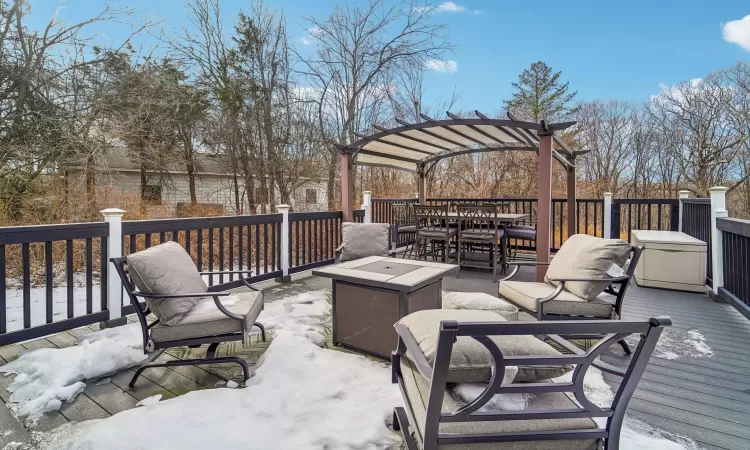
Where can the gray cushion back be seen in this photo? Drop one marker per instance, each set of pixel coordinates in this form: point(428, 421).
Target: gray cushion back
point(584, 256)
point(359, 240)
point(167, 269)
point(470, 361)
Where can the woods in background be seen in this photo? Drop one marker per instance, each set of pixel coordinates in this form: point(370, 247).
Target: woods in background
point(277, 113)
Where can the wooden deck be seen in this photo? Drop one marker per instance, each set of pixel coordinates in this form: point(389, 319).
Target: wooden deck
point(706, 399)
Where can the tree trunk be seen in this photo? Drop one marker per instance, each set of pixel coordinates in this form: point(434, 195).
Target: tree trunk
point(331, 184)
point(90, 183)
point(190, 167)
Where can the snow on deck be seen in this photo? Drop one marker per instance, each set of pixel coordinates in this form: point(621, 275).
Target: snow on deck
point(694, 392)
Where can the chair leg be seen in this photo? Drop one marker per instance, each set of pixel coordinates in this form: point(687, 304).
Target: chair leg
point(625, 347)
point(262, 330)
point(194, 362)
point(493, 250)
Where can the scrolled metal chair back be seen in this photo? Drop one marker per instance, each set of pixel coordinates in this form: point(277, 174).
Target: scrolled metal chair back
point(478, 219)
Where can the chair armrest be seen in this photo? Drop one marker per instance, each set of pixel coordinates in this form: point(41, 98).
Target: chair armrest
point(519, 264)
point(609, 279)
point(224, 310)
point(415, 352)
point(157, 296)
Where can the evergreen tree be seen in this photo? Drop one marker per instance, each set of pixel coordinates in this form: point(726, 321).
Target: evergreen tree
point(540, 95)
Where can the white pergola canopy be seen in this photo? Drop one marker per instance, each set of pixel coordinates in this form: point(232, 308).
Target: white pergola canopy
point(412, 146)
point(418, 147)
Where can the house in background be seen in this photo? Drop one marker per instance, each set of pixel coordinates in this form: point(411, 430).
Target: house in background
point(169, 188)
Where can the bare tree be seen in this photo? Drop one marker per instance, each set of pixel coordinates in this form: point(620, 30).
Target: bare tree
point(357, 48)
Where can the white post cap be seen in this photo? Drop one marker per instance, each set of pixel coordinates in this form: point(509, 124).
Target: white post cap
point(718, 189)
point(608, 194)
point(282, 207)
point(367, 192)
point(684, 193)
point(112, 212)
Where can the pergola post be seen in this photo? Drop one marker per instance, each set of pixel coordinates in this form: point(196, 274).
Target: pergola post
point(422, 186)
point(345, 160)
point(544, 202)
point(572, 207)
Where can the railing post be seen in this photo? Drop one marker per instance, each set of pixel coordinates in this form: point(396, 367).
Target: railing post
point(284, 211)
point(683, 195)
point(113, 216)
point(367, 206)
point(718, 210)
point(607, 232)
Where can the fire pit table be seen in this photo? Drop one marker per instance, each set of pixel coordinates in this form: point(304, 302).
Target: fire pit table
point(373, 293)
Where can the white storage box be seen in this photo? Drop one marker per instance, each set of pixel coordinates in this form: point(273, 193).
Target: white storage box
point(670, 260)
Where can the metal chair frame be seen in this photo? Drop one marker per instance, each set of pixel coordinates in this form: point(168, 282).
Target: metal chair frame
point(479, 225)
point(432, 219)
point(149, 345)
point(450, 330)
point(617, 288)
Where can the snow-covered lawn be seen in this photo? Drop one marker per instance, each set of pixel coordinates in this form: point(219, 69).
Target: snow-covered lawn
point(302, 396)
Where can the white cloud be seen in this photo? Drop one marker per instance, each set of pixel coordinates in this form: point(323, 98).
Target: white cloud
point(737, 32)
point(442, 65)
point(315, 31)
point(450, 7)
point(305, 41)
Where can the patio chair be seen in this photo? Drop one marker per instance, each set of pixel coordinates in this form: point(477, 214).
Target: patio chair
point(432, 228)
point(360, 240)
point(431, 357)
point(403, 217)
point(576, 277)
point(188, 313)
point(479, 227)
point(519, 232)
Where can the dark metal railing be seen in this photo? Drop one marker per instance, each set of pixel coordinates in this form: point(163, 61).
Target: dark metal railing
point(590, 214)
point(33, 259)
point(313, 238)
point(216, 243)
point(736, 260)
point(644, 214)
point(696, 221)
point(358, 215)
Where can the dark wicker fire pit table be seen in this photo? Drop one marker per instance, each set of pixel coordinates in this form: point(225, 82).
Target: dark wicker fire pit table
point(373, 293)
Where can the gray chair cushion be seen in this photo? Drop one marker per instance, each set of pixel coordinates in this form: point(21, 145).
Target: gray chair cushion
point(525, 295)
point(167, 269)
point(481, 302)
point(407, 229)
point(584, 256)
point(517, 232)
point(436, 232)
point(485, 236)
point(205, 319)
point(359, 240)
point(417, 390)
point(470, 360)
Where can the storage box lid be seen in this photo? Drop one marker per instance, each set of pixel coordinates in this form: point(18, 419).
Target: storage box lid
point(656, 239)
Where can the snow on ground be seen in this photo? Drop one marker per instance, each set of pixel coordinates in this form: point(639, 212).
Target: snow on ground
point(14, 302)
point(635, 434)
point(302, 396)
point(678, 343)
point(47, 377)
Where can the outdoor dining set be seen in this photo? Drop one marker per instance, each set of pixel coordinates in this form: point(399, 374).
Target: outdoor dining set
point(472, 235)
point(396, 308)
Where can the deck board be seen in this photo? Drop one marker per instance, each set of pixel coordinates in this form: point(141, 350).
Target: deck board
point(706, 399)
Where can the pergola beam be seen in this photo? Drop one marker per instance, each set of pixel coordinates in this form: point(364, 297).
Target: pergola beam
point(503, 147)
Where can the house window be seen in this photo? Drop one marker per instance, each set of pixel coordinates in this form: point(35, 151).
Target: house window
point(311, 196)
point(152, 194)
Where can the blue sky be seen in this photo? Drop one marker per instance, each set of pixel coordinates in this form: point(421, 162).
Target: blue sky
point(605, 49)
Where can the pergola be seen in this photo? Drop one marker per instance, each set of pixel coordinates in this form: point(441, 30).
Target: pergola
point(418, 147)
